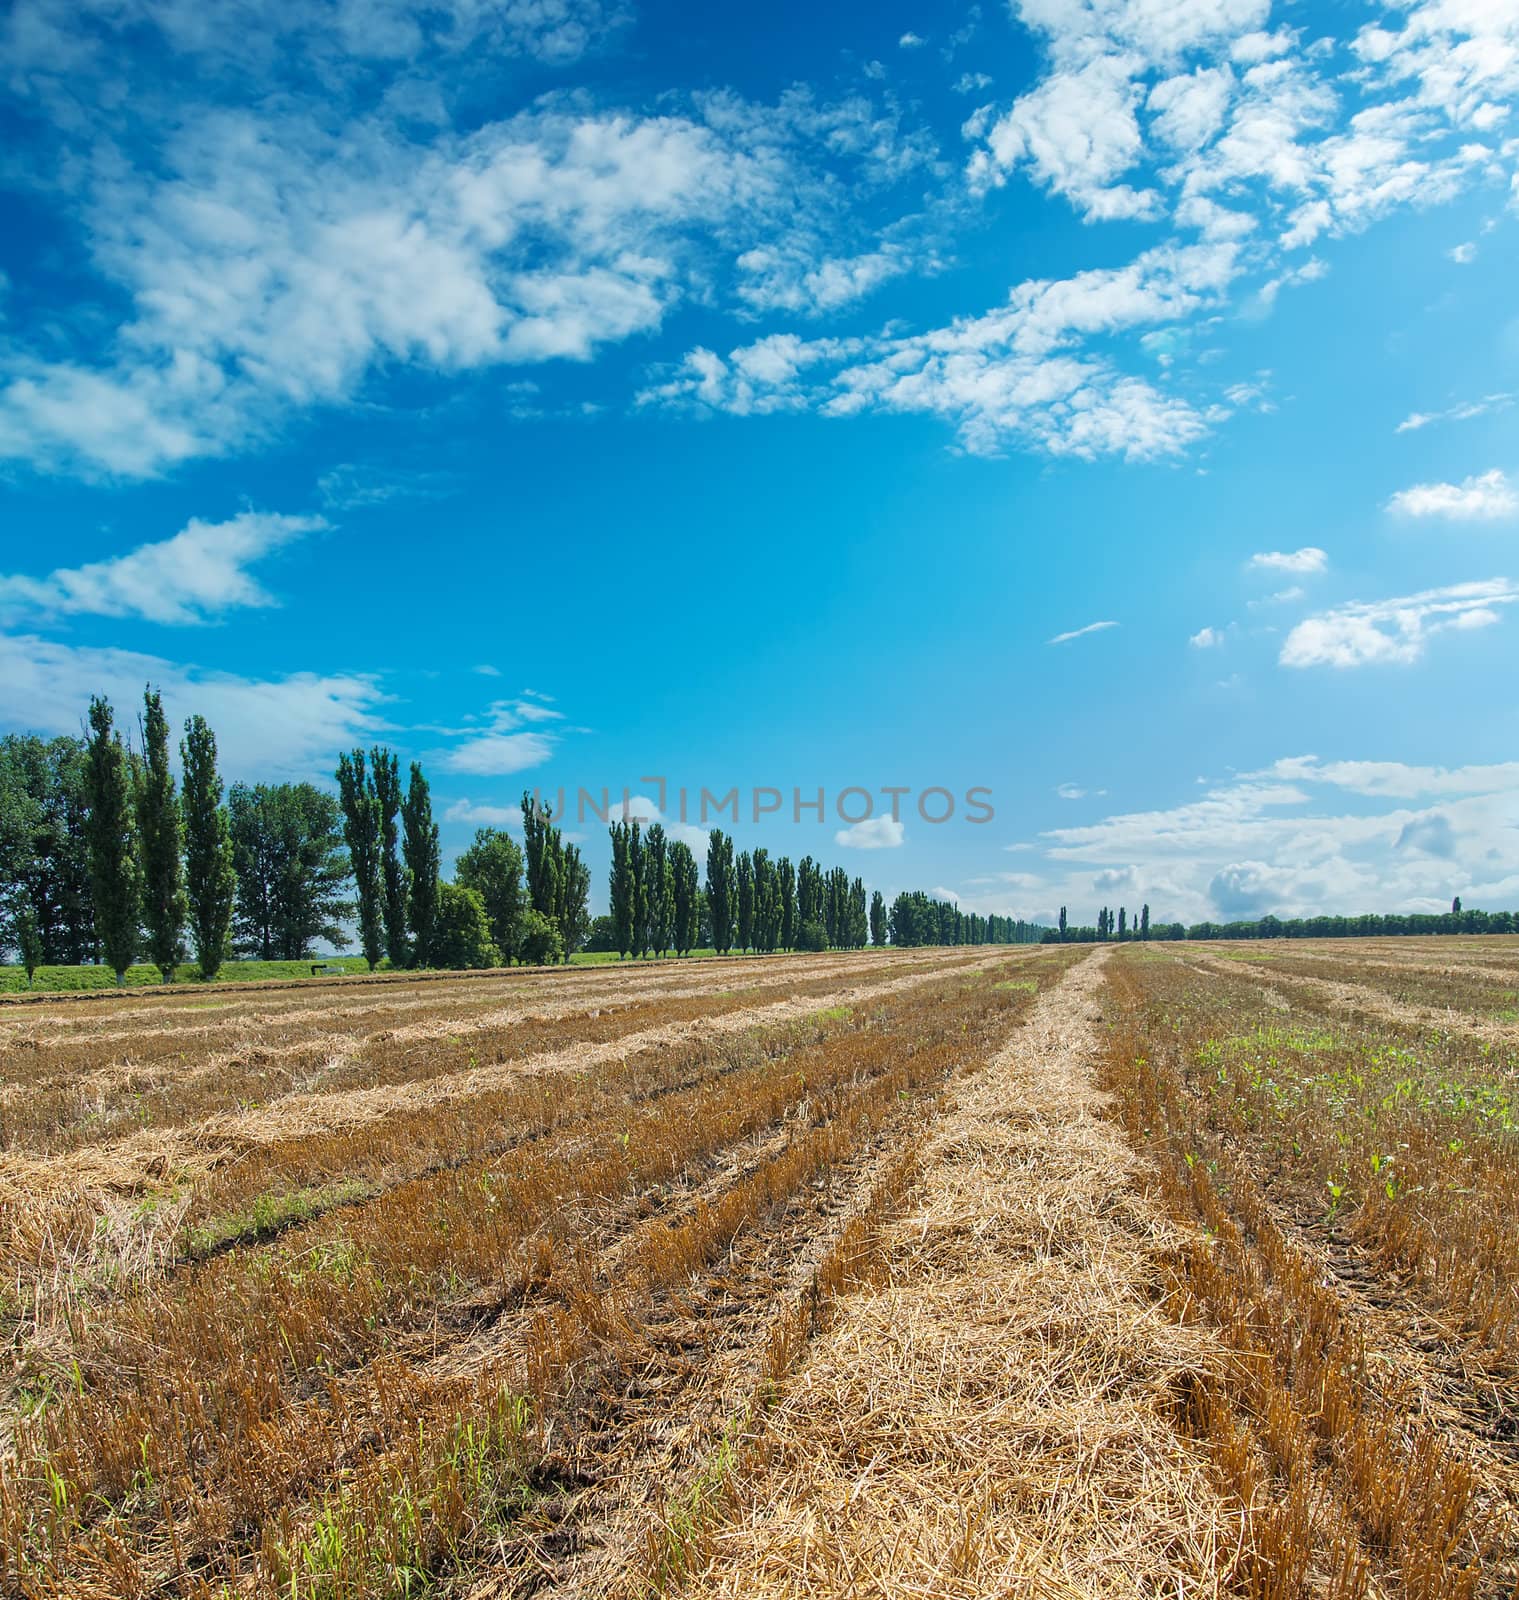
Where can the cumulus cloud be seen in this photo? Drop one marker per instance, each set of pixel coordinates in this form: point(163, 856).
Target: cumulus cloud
point(484, 816)
point(287, 726)
point(1489, 497)
point(195, 576)
point(1206, 639)
point(1309, 559)
point(874, 833)
point(1372, 632)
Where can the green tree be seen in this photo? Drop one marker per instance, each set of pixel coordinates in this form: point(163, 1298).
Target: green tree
point(161, 840)
point(210, 877)
point(785, 877)
point(287, 850)
point(363, 831)
point(686, 888)
point(573, 912)
point(115, 862)
point(814, 937)
point(620, 886)
point(461, 933)
point(44, 850)
point(877, 919)
point(720, 889)
point(423, 861)
point(28, 939)
point(385, 772)
point(541, 943)
point(492, 866)
point(745, 898)
point(660, 889)
point(1144, 920)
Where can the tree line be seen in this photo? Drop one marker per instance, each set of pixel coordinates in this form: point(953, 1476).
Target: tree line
point(104, 857)
point(1370, 925)
point(753, 902)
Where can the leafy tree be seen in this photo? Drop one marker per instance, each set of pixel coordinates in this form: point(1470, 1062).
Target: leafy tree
point(1062, 924)
point(720, 890)
point(115, 862)
point(1123, 922)
point(814, 936)
point(785, 881)
point(210, 878)
point(686, 892)
point(492, 866)
point(423, 861)
point(385, 772)
point(28, 940)
point(1455, 906)
point(161, 841)
point(660, 889)
point(44, 850)
point(541, 943)
point(573, 911)
point(363, 831)
point(1144, 920)
point(461, 934)
point(602, 939)
point(809, 891)
point(287, 850)
point(877, 919)
point(745, 882)
point(638, 891)
point(620, 886)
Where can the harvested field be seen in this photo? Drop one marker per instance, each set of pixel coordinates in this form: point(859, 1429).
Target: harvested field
point(1049, 1272)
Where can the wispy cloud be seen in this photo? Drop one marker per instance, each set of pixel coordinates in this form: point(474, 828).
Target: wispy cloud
point(1078, 633)
point(1206, 639)
point(1370, 632)
point(505, 746)
point(194, 577)
point(1489, 497)
point(1309, 559)
point(1457, 413)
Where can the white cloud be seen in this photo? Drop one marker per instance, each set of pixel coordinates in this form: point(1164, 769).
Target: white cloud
point(1206, 639)
point(910, 41)
point(1113, 878)
point(1396, 779)
point(1463, 412)
point(504, 746)
point(1067, 791)
point(875, 833)
point(1309, 559)
point(487, 671)
point(289, 726)
point(1489, 497)
point(1364, 633)
point(484, 816)
point(1077, 633)
point(1463, 254)
point(193, 577)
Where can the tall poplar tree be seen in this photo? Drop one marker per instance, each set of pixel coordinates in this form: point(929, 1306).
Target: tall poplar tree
point(111, 833)
point(424, 861)
point(877, 919)
point(620, 887)
point(720, 890)
point(785, 877)
point(661, 889)
point(745, 885)
point(363, 834)
point(687, 894)
point(386, 777)
point(161, 840)
point(573, 909)
point(210, 879)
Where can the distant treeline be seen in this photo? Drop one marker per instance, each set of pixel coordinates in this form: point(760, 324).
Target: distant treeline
point(751, 902)
point(1370, 925)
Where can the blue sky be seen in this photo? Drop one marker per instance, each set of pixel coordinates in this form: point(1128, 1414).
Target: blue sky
point(1107, 403)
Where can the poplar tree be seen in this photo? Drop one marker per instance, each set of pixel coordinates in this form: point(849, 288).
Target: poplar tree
point(720, 890)
point(1144, 920)
point(158, 829)
point(363, 834)
point(573, 907)
point(660, 889)
point(785, 879)
point(423, 863)
point(210, 880)
point(386, 771)
point(115, 867)
point(638, 891)
point(877, 919)
point(620, 887)
point(745, 884)
point(687, 897)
